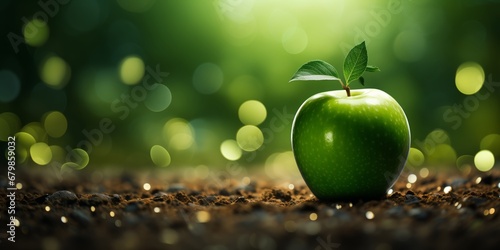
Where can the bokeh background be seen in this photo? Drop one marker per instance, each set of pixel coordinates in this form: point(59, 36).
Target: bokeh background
point(202, 85)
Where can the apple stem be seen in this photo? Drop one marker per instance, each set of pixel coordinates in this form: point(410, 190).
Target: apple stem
point(347, 89)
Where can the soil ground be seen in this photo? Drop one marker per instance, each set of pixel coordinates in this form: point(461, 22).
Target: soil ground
point(118, 211)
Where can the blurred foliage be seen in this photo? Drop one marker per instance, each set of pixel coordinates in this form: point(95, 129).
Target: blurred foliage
point(168, 83)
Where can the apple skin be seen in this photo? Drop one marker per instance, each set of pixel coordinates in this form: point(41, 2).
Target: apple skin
point(350, 148)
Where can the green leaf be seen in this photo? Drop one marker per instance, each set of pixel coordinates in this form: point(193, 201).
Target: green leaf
point(362, 80)
point(355, 63)
point(314, 71)
point(370, 68)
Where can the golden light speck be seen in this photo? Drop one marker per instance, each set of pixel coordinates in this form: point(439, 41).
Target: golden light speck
point(19, 185)
point(118, 223)
point(313, 216)
point(291, 186)
point(47, 208)
point(169, 236)
point(350, 204)
point(370, 215)
point(438, 189)
point(424, 172)
point(245, 181)
point(499, 185)
point(92, 209)
point(64, 219)
point(338, 206)
point(459, 206)
point(412, 178)
point(390, 191)
point(17, 223)
point(203, 216)
point(486, 212)
point(447, 189)
point(112, 214)
point(290, 226)
point(146, 186)
point(156, 209)
point(408, 185)
point(492, 210)
point(479, 179)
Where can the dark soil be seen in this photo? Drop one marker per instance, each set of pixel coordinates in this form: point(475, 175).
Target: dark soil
point(114, 211)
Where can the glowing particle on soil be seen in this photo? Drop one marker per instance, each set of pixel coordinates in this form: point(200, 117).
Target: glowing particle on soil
point(290, 226)
point(492, 210)
point(291, 186)
point(408, 185)
point(438, 189)
point(92, 209)
point(16, 223)
point(499, 185)
point(146, 186)
point(424, 172)
point(479, 179)
point(203, 216)
point(156, 209)
point(350, 204)
point(459, 206)
point(412, 178)
point(112, 214)
point(19, 185)
point(338, 206)
point(447, 189)
point(313, 216)
point(64, 219)
point(245, 181)
point(486, 212)
point(369, 215)
point(118, 223)
point(390, 191)
point(47, 208)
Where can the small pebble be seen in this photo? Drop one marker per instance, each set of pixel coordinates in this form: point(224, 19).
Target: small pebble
point(97, 199)
point(132, 207)
point(224, 192)
point(62, 197)
point(116, 198)
point(411, 199)
point(177, 187)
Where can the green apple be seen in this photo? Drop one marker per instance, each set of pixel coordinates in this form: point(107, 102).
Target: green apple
point(349, 144)
point(350, 147)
